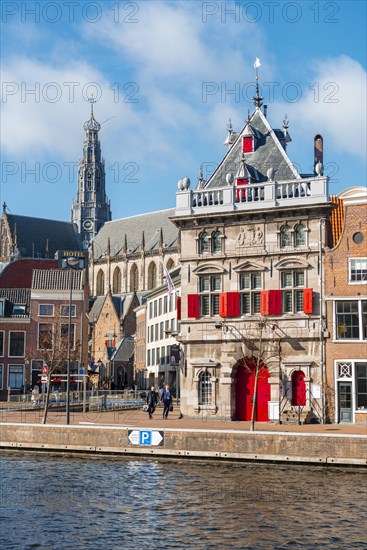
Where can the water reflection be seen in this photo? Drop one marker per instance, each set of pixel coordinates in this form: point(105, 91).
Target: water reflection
point(66, 502)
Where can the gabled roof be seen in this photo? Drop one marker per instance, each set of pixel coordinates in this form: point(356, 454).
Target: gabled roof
point(41, 238)
point(125, 350)
point(133, 228)
point(18, 274)
point(121, 303)
point(57, 279)
point(269, 153)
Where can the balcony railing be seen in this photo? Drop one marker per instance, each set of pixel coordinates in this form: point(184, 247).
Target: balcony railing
point(253, 196)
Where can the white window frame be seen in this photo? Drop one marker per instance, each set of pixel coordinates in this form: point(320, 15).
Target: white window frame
point(336, 338)
point(15, 365)
point(73, 310)
point(25, 343)
point(73, 332)
point(2, 307)
point(350, 260)
point(1, 376)
point(38, 336)
point(46, 314)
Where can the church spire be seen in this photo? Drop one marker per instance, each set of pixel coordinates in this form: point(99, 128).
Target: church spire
point(257, 100)
point(91, 209)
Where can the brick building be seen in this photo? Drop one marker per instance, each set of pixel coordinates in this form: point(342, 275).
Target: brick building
point(346, 309)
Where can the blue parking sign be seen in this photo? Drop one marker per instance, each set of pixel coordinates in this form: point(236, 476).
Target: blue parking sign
point(145, 437)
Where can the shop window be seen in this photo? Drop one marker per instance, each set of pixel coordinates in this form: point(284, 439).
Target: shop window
point(351, 319)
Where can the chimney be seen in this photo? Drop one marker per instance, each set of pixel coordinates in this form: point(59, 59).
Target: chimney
point(318, 151)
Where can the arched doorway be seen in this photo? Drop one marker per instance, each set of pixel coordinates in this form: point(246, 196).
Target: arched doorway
point(298, 389)
point(245, 385)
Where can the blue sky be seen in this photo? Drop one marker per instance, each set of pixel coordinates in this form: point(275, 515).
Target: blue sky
point(163, 73)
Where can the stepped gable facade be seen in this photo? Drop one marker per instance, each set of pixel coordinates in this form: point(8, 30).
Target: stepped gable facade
point(346, 309)
point(250, 279)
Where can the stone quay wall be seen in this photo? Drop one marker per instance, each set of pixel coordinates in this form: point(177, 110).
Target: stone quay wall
point(236, 445)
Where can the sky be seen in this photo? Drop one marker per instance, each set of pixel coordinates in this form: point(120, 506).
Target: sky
point(167, 76)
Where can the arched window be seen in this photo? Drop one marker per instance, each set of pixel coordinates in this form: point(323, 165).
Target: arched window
point(152, 276)
point(216, 241)
point(116, 282)
point(205, 388)
point(299, 235)
point(170, 264)
point(134, 278)
point(203, 242)
point(100, 283)
point(285, 236)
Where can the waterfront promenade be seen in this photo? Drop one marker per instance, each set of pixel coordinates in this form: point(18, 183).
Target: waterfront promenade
point(139, 419)
point(130, 432)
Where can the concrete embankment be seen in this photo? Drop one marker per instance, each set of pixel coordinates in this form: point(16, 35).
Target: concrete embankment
point(239, 445)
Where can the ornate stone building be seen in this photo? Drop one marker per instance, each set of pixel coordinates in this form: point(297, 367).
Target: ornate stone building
point(251, 325)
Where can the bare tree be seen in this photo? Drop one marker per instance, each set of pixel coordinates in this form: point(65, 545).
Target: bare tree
point(53, 337)
point(262, 340)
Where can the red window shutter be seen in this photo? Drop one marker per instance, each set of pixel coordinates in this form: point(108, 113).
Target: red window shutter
point(193, 305)
point(233, 304)
point(178, 308)
point(248, 144)
point(271, 302)
point(223, 304)
point(264, 302)
point(229, 304)
point(307, 300)
point(275, 302)
point(241, 193)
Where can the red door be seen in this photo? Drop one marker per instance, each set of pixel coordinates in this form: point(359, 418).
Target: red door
point(245, 385)
point(298, 389)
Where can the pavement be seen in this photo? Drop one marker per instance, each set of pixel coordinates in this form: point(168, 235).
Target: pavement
point(140, 419)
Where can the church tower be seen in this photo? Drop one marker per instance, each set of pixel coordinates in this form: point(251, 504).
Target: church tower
point(91, 208)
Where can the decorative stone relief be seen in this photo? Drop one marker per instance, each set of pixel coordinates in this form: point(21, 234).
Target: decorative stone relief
point(250, 236)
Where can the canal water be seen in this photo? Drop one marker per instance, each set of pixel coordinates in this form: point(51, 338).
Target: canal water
point(65, 502)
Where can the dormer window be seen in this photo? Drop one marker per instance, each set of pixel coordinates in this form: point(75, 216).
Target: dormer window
point(248, 144)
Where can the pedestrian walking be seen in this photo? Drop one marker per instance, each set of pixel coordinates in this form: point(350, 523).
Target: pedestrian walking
point(152, 400)
point(166, 399)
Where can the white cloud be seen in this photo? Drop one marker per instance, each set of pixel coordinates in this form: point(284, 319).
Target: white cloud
point(334, 107)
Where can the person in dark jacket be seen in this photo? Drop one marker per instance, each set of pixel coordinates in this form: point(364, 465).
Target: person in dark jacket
point(152, 400)
point(166, 399)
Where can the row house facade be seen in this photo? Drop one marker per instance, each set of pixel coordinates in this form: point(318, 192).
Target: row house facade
point(252, 245)
point(346, 310)
point(34, 319)
point(163, 313)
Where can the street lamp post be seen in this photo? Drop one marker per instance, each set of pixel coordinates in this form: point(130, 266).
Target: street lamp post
point(71, 263)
